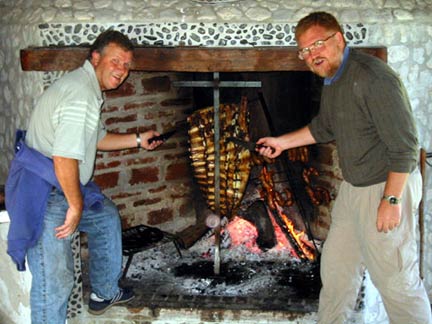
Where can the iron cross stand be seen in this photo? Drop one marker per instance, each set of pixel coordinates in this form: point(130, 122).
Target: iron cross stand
point(216, 84)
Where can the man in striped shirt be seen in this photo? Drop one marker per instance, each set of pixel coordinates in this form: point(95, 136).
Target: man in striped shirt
point(65, 127)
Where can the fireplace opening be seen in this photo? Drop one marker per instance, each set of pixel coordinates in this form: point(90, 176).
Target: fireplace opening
point(261, 266)
point(158, 188)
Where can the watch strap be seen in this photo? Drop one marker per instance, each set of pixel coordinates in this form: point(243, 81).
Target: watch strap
point(393, 200)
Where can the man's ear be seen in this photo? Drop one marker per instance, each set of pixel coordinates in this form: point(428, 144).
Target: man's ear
point(340, 38)
point(95, 58)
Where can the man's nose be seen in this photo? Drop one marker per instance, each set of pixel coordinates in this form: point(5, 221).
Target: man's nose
point(122, 67)
point(313, 53)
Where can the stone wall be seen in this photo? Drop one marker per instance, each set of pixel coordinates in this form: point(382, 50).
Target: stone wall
point(404, 26)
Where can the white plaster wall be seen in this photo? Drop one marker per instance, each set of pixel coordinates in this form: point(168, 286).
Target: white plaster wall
point(404, 26)
point(18, 89)
point(14, 287)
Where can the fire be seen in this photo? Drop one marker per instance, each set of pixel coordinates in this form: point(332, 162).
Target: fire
point(288, 237)
point(301, 246)
point(244, 233)
point(301, 239)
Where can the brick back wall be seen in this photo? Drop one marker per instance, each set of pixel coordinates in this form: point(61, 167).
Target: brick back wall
point(325, 160)
point(149, 187)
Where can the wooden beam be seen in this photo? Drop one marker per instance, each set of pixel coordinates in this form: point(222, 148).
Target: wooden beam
point(181, 59)
point(52, 58)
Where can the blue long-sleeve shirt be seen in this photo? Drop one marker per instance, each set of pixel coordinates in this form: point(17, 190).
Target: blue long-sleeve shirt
point(30, 180)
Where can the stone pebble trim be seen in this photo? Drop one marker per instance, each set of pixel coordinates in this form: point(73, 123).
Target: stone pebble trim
point(189, 34)
point(184, 34)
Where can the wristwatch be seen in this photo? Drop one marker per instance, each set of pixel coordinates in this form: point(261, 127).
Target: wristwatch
point(138, 140)
point(393, 200)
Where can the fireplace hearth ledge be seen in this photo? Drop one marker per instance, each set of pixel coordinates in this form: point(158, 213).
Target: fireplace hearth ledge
point(125, 315)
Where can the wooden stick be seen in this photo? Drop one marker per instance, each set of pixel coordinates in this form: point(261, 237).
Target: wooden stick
point(421, 210)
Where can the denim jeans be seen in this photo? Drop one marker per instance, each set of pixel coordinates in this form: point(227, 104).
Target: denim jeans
point(51, 261)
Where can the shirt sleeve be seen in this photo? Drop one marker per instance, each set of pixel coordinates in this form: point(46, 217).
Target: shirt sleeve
point(390, 110)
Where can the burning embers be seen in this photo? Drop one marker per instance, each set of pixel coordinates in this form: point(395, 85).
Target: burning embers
point(270, 196)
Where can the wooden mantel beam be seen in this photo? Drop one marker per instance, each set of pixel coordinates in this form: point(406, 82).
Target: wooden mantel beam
point(180, 59)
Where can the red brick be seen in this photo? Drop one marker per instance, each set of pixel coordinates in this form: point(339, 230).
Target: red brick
point(112, 154)
point(125, 195)
point(126, 89)
point(161, 216)
point(156, 84)
point(146, 202)
point(138, 105)
point(125, 119)
point(108, 109)
point(177, 171)
point(144, 175)
point(156, 190)
point(102, 165)
point(107, 180)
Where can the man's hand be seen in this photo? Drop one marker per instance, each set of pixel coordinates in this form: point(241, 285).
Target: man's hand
point(113, 141)
point(67, 173)
point(389, 216)
point(269, 147)
point(273, 146)
point(145, 140)
point(70, 225)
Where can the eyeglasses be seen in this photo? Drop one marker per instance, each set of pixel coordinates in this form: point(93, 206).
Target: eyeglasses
point(305, 52)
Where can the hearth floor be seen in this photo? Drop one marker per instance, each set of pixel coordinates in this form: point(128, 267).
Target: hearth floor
point(251, 288)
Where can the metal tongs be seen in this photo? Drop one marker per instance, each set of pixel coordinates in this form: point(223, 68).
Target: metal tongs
point(249, 145)
point(163, 137)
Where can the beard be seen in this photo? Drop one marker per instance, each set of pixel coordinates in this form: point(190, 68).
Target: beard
point(322, 67)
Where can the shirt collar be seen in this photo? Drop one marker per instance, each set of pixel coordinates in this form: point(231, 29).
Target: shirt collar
point(329, 81)
point(89, 69)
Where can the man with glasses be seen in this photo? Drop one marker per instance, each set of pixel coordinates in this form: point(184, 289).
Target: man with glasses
point(51, 172)
point(365, 109)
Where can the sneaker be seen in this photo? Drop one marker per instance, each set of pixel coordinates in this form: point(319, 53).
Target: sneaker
point(98, 305)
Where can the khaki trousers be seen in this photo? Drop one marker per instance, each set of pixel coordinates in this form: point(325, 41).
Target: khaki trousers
point(354, 243)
